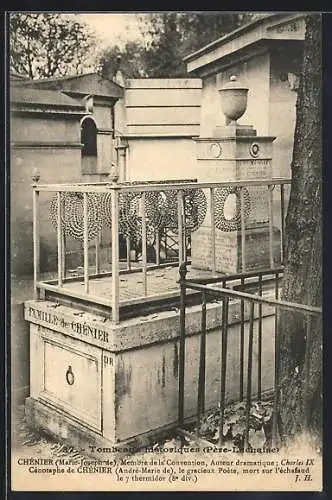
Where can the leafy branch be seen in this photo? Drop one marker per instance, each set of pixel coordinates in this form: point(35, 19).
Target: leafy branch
point(235, 421)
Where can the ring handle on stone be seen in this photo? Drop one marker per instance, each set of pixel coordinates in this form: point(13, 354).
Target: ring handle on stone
point(70, 377)
point(220, 197)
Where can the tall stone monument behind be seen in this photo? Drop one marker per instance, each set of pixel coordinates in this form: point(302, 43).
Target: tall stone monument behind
point(235, 153)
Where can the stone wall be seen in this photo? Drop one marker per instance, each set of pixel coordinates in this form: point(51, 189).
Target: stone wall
point(131, 370)
point(161, 158)
point(55, 164)
point(253, 73)
point(158, 118)
point(283, 107)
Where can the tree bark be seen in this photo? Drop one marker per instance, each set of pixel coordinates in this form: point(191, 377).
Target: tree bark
point(301, 334)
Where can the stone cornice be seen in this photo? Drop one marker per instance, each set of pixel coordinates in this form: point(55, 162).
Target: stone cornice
point(46, 110)
point(244, 55)
point(132, 333)
point(105, 131)
point(190, 135)
point(284, 26)
point(45, 145)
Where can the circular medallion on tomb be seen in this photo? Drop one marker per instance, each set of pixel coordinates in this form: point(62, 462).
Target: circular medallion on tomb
point(254, 149)
point(215, 150)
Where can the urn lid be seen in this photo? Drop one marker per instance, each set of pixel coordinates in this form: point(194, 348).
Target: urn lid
point(234, 84)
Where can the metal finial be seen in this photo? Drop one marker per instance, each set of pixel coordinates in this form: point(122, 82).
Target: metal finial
point(183, 270)
point(114, 173)
point(35, 175)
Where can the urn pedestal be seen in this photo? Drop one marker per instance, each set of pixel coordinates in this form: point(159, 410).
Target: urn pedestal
point(235, 153)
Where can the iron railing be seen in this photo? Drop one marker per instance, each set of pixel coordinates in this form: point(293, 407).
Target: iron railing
point(225, 291)
point(141, 210)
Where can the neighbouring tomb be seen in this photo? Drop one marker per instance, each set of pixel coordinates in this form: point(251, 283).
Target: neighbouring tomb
point(61, 128)
point(265, 55)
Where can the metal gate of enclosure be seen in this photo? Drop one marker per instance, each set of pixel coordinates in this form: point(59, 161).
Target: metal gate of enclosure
point(227, 290)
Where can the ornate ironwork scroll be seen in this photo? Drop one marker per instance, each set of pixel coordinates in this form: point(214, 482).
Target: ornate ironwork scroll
point(105, 209)
point(161, 210)
point(195, 207)
point(72, 220)
point(131, 214)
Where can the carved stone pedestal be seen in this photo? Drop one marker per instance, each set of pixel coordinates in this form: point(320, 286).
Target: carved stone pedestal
point(236, 153)
point(95, 384)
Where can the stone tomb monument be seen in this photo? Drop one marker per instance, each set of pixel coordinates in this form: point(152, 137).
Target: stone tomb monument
point(98, 383)
point(235, 153)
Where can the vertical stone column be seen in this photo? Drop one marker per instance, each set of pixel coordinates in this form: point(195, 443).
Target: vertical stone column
point(122, 161)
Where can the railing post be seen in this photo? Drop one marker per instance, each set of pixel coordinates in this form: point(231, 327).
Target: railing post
point(36, 241)
point(201, 372)
point(182, 272)
point(97, 250)
point(241, 342)
point(249, 376)
point(63, 253)
point(276, 373)
point(275, 416)
point(180, 226)
point(86, 242)
point(243, 232)
point(144, 244)
point(259, 342)
point(270, 189)
point(223, 366)
point(213, 231)
point(59, 237)
point(128, 250)
point(282, 216)
point(115, 254)
point(158, 246)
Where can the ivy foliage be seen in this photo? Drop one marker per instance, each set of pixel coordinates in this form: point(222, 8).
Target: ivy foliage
point(235, 422)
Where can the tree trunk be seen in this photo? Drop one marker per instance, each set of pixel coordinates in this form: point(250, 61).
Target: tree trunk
point(301, 334)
